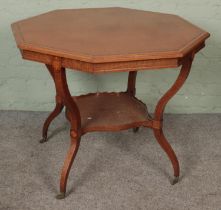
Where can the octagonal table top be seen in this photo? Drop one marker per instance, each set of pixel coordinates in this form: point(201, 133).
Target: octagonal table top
point(102, 35)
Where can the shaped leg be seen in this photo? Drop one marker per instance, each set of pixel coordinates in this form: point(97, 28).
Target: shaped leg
point(57, 110)
point(159, 135)
point(74, 118)
point(67, 166)
point(131, 84)
point(131, 89)
point(158, 116)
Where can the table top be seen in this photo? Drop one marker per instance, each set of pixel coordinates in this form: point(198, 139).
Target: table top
point(102, 35)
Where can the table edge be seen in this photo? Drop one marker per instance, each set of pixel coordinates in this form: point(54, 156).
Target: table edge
point(116, 66)
point(108, 58)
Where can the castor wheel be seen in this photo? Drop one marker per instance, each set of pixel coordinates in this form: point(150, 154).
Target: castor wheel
point(44, 139)
point(135, 130)
point(175, 180)
point(60, 196)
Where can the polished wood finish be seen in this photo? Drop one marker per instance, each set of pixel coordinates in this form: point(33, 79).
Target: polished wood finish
point(109, 40)
point(106, 67)
point(131, 85)
point(111, 112)
point(57, 110)
point(108, 35)
point(121, 37)
point(158, 115)
point(131, 88)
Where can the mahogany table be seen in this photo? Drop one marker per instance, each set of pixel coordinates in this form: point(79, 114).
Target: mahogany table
point(108, 40)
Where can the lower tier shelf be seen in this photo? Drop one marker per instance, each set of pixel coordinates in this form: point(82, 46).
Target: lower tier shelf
point(110, 111)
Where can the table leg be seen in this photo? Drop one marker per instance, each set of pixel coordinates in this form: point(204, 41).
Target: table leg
point(75, 143)
point(75, 121)
point(131, 88)
point(131, 84)
point(158, 116)
point(57, 110)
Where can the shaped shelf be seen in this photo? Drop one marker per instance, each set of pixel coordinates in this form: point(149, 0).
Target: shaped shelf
point(110, 112)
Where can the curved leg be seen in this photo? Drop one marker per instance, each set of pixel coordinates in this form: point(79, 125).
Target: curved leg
point(67, 166)
point(57, 110)
point(75, 121)
point(131, 89)
point(159, 135)
point(158, 116)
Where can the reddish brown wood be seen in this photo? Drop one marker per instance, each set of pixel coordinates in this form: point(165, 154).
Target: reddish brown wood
point(111, 112)
point(184, 72)
point(62, 87)
point(131, 88)
point(158, 133)
point(109, 40)
point(75, 120)
point(108, 35)
point(110, 66)
point(75, 143)
point(57, 110)
point(131, 85)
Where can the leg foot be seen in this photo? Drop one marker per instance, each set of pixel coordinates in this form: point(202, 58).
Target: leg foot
point(44, 139)
point(158, 114)
point(66, 99)
point(67, 164)
point(60, 196)
point(175, 180)
point(169, 151)
point(57, 110)
point(135, 130)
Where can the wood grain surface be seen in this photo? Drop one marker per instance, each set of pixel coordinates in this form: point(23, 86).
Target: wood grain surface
point(109, 40)
point(108, 35)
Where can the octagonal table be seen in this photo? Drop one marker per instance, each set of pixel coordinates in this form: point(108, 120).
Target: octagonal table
point(108, 40)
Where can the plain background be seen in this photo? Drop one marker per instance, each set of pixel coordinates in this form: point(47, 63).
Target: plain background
point(26, 85)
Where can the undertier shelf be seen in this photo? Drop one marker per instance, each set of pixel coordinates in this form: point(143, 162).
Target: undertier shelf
point(110, 111)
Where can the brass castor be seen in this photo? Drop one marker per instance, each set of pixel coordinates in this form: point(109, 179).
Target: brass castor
point(44, 139)
point(175, 180)
point(60, 196)
point(135, 130)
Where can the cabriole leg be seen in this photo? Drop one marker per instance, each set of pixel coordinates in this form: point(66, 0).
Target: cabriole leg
point(75, 143)
point(158, 116)
point(75, 121)
point(57, 110)
point(159, 135)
